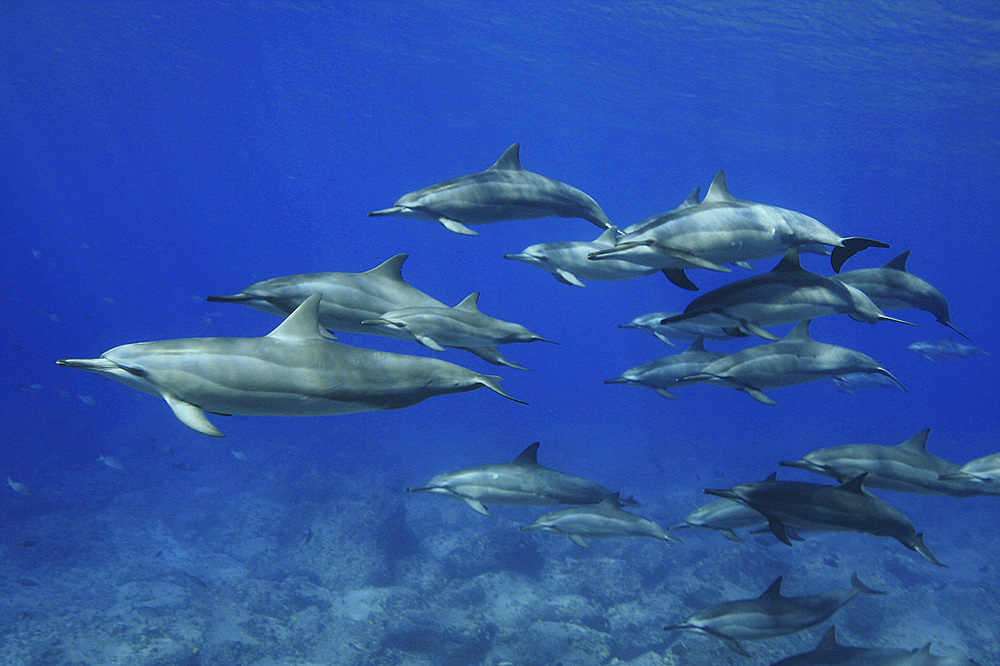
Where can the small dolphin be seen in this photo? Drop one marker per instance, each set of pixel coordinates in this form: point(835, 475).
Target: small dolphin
point(945, 350)
point(786, 294)
point(292, 371)
point(462, 326)
point(505, 191)
point(19, 488)
point(682, 330)
point(769, 615)
point(859, 381)
point(845, 508)
point(111, 461)
point(981, 471)
point(521, 482)
point(725, 230)
point(664, 374)
point(831, 653)
point(906, 467)
point(724, 515)
point(796, 359)
point(568, 263)
point(600, 521)
point(892, 287)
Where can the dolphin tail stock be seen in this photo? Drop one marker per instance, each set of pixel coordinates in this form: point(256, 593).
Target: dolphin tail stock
point(921, 548)
point(492, 382)
point(849, 247)
point(861, 587)
point(679, 278)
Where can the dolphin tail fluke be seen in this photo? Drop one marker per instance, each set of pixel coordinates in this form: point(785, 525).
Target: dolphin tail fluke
point(679, 278)
point(861, 587)
point(920, 547)
point(492, 382)
point(850, 247)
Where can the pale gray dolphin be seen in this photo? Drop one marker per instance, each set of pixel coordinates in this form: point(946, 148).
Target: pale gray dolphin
point(682, 330)
point(859, 381)
point(292, 371)
point(505, 191)
point(831, 653)
point(892, 287)
point(349, 299)
point(906, 467)
point(948, 349)
point(725, 516)
point(462, 326)
point(981, 471)
point(788, 293)
point(602, 520)
point(845, 508)
point(723, 230)
point(769, 615)
point(664, 373)
point(568, 263)
point(796, 359)
point(521, 482)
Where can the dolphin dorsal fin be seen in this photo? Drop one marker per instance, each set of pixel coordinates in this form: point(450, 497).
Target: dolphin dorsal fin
point(773, 592)
point(899, 263)
point(829, 640)
point(609, 236)
point(926, 649)
point(718, 190)
point(800, 333)
point(527, 457)
point(855, 485)
point(917, 443)
point(302, 324)
point(790, 262)
point(773, 476)
point(390, 268)
point(698, 345)
point(510, 160)
point(611, 500)
point(693, 199)
point(470, 303)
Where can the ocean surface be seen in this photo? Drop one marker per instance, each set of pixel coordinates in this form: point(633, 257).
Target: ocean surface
point(154, 153)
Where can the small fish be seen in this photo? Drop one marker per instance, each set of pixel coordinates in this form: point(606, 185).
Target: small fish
point(87, 400)
point(194, 579)
point(36, 253)
point(183, 466)
point(309, 536)
point(239, 455)
point(28, 544)
point(19, 487)
point(111, 461)
point(108, 300)
point(27, 582)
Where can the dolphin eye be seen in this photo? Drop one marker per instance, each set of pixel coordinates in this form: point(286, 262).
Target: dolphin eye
point(137, 372)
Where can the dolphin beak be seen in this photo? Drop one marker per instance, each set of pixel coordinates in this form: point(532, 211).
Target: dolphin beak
point(92, 364)
point(899, 321)
point(800, 464)
point(883, 371)
point(234, 298)
point(517, 257)
point(380, 322)
point(395, 210)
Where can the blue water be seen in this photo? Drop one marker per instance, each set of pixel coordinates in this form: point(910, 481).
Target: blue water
point(154, 153)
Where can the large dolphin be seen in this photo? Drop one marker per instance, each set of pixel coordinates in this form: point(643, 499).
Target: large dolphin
point(602, 520)
point(568, 262)
point(947, 349)
point(983, 472)
point(892, 287)
point(845, 508)
point(505, 191)
point(724, 515)
point(788, 293)
point(906, 467)
point(681, 330)
point(769, 615)
point(796, 359)
point(292, 371)
point(521, 482)
point(462, 326)
point(349, 299)
point(722, 230)
point(831, 653)
point(664, 373)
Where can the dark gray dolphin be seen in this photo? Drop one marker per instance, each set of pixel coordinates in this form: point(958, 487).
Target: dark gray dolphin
point(664, 373)
point(604, 520)
point(892, 287)
point(845, 508)
point(906, 467)
point(521, 482)
point(831, 653)
point(505, 191)
point(769, 615)
point(292, 371)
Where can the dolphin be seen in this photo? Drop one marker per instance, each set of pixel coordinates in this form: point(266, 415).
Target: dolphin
point(521, 482)
point(663, 374)
point(568, 263)
point(602, 520)
point(505, 191)
point(859, 381)
point(981, 471)
point(845, 508)
point(349, 299)
point(462, 326)
point(769, 615)
point(796, 359)
point(831, 653)
point(945, 350)
point(724, 230)
point(682, 330)
point(892, 287)
point(292, 371)
point(906, 467)
point(723, 515)
point(788, 293)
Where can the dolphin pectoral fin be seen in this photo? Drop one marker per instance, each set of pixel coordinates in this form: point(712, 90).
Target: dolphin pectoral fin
point(478, 507)
point(492, 382)
point(429, 342)
point(691, 258)
point(747, 266)
point(679, 278)
point(191, 416)
point(758, 330)
point(920, 547)
point(456, 226)
point(327, 333)
point(566, 277)
point(850, 247)
point(861, 587)
point(778, 529)
point(662, 338)
point(664, 393)
point(759, 396)
point(578, 540)
point(491, 354)
point(730, 534)
point(730, 642)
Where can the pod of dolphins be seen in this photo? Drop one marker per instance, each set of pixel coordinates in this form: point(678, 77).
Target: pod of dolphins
point(300, 369)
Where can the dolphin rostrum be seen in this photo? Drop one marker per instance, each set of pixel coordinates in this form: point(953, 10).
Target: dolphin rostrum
point(568, 263)
point(292, 371)
point(906, 467)
point(795, 359)
point(722, 230)
point(664, 373)
point(602, 520)
point(831, 653)
point(520, 482)
point(769, 615)
point(505, 191)
point(845, 508)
